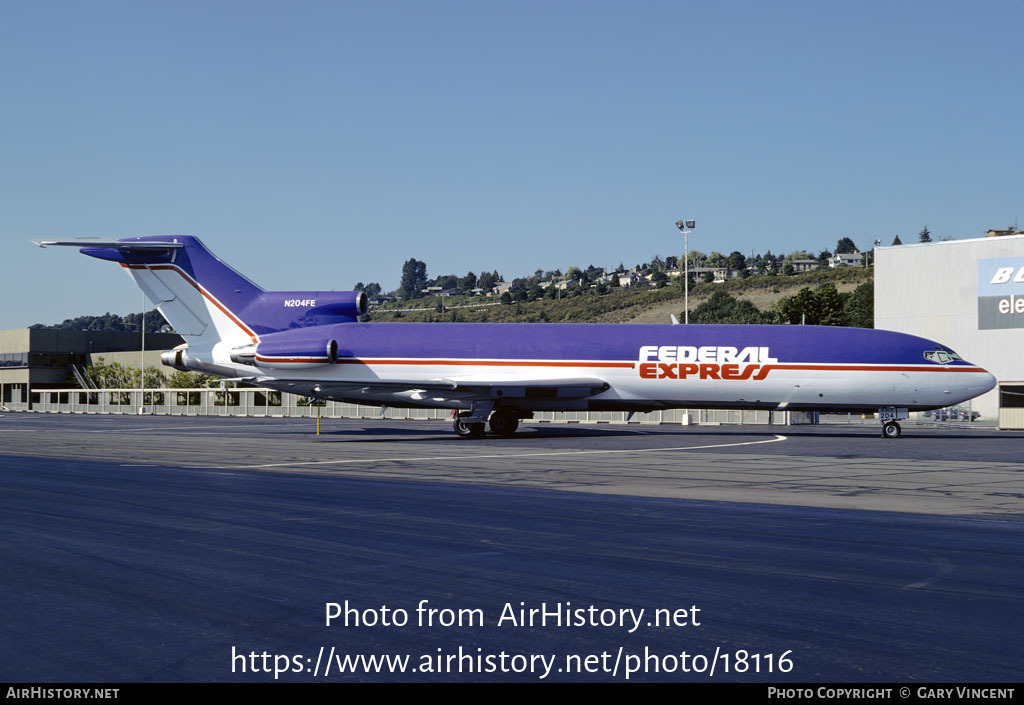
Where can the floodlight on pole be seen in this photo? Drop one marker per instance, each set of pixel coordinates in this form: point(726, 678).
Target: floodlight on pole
point(685, 226)
point(142, 361)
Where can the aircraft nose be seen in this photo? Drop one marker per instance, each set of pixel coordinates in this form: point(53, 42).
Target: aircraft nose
point(982, 382)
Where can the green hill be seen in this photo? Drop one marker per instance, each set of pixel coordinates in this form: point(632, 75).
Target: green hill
point(622, 305)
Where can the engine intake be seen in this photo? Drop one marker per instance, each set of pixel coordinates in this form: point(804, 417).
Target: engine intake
point(176, 358)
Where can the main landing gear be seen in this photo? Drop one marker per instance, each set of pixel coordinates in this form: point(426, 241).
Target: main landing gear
point(503, 422)
point(464, 428)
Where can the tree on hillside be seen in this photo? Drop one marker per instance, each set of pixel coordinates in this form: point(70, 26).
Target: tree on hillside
point(414, 278)
point(487, 281)
point(110, 323)
point(467, 283)
point(820, 307)
point(447, 281)
point(845, 246)
point(798, 308)
point(724, 308)
point(697, 259)
point(924, 235)
point(896, 241)
point(859, 306)
point(830, 306)
point(717, 259)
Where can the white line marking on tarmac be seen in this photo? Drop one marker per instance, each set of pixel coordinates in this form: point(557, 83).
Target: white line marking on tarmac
point(517, 455)
point(168, 429)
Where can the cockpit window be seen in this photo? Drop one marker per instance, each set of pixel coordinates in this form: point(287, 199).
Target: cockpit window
point(940, 356)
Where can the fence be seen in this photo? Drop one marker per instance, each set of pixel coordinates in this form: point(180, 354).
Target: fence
point(267, 402)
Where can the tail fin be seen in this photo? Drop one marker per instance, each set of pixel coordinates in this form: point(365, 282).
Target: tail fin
point(207, 301)
point(197, 293)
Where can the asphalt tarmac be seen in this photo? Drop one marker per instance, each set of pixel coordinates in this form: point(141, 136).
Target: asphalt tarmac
point(212, 549)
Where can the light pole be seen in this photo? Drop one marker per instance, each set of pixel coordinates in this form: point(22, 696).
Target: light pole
point(142, 361)
point(685, 226)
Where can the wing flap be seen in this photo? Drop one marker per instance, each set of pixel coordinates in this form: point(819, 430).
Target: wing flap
point(461, 389)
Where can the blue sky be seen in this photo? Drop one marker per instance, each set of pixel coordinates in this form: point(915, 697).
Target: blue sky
point(316, 144)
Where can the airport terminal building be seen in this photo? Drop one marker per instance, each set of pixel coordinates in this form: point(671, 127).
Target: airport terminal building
point(32, 358)
point(969, 295)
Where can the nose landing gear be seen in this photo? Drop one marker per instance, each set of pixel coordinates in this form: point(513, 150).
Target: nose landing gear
point(889, 416)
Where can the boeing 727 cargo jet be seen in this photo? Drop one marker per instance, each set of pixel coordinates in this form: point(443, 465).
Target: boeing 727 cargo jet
point(312, 343)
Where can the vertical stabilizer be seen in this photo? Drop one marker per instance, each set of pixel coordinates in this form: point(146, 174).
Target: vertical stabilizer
point(198, 294)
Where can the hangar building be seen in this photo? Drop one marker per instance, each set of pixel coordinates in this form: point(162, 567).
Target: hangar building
point(969, 295)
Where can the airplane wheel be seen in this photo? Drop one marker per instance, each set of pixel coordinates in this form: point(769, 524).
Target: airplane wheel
point(464, 429)
point(504, 422)
point(891, 430)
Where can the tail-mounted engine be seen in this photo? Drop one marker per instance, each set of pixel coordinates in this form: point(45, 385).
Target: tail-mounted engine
point(280, 311)
point(293, 349)
point(176, 358)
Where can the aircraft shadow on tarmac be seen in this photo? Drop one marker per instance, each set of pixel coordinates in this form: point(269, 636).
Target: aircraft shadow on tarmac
point(383, 434)
point(386, 434)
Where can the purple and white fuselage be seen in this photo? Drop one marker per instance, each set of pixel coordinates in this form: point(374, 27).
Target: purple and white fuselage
point(311, 343)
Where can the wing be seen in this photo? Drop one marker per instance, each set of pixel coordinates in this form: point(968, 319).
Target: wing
point(438, 391)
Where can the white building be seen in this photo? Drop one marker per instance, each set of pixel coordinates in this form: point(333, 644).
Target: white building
point(969, 295)
point(847, 259)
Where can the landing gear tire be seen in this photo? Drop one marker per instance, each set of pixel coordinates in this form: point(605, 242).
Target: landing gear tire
point(891, 430)
point(465, 429)
point(504, 422)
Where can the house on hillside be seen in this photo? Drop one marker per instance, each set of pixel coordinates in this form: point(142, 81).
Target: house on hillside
point(847, 259)
point(438, 291)
point(804, 265)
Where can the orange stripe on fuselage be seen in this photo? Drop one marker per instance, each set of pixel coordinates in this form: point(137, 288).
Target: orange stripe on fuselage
point(763, 372)
point(486, 363)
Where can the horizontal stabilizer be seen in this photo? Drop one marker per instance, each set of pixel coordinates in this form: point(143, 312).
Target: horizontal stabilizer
point(119, 244)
